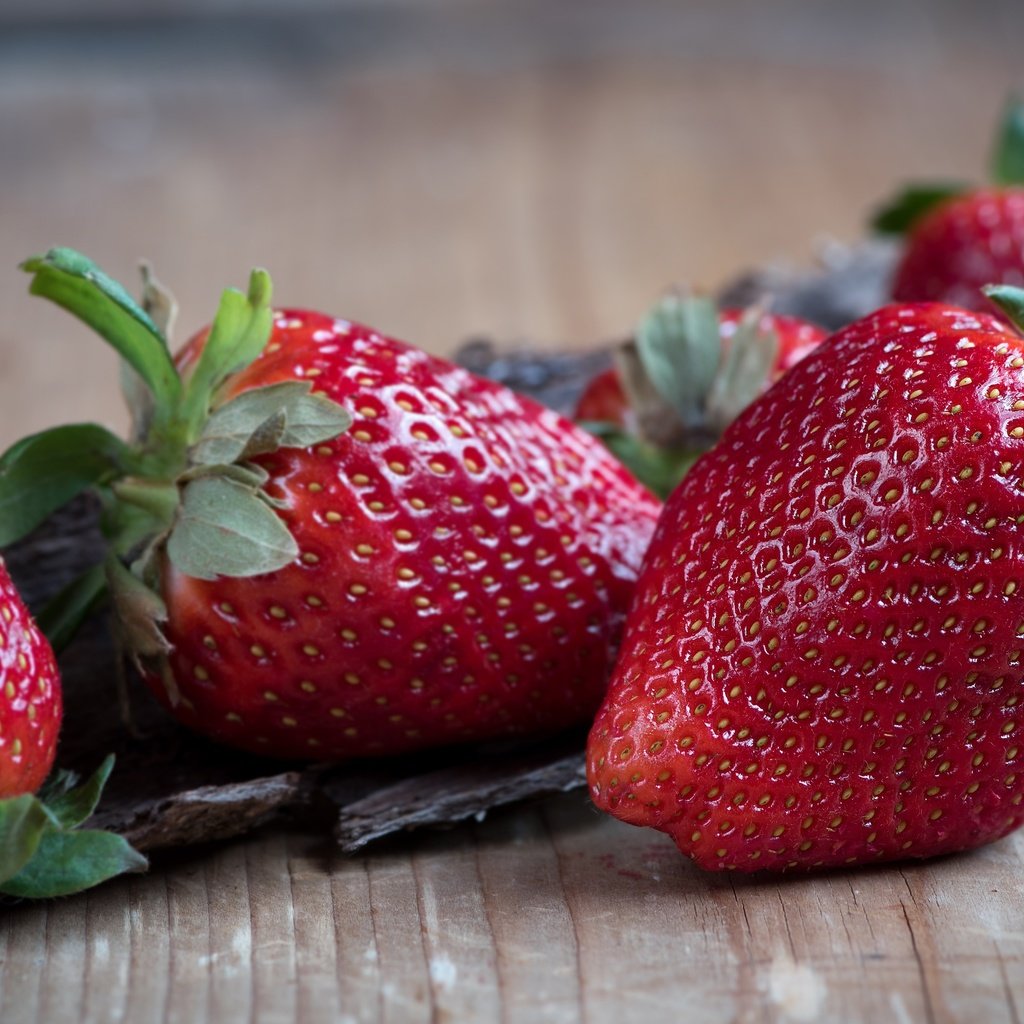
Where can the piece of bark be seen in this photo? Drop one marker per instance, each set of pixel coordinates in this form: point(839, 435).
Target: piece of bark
point(458, 792)
point(171, 787)
point(204, 814)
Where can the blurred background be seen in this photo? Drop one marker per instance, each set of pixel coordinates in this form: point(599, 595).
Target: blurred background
point(522, 170)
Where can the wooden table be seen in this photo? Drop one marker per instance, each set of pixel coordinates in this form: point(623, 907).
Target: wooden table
point(522, 170)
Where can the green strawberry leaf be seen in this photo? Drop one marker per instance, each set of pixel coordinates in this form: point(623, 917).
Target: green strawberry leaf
point(23, 820)
point(1008, 155)
point(41, 473)
point(224, 528)
point(58, 782)
point(74, 282)
point(41, 854)
point(748, 365)
point(251, 423)
point(250, 474)
point(74, 806)
point(680, 349)
point(239, 334)
point(68, 862)
point(659, 469)
point(1010, 299)
point(902, 212)
point(72, 605)
point(139, 615)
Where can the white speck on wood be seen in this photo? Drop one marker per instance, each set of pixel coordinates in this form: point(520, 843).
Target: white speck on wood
point(443, 971)
point(796, 989)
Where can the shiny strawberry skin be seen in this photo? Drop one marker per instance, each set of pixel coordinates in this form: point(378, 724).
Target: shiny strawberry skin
point(30, 697)
point(961, 245)
point(466, 561)
point(604, 400)
point(822, 664)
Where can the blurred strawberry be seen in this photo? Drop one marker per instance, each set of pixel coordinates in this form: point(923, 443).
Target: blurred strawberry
point(30, 696)
point(689, 371)
point(960, 238)
point(604, 401)
point(43, 852)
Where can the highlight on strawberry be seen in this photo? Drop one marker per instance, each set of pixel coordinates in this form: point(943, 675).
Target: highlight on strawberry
point(961, 237)
point(687, 373)
point(822, 665)
point(43, 852)
point(325, 543)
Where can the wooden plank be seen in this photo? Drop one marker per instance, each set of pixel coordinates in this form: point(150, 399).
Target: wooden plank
point(532, 927)
point(553, 914)
point(229, 957)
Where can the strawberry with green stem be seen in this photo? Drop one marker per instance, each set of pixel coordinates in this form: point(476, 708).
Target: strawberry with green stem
point(687, 373)
point(961, 237)
point(823, 663)
point(43, 853)
point(326, 543)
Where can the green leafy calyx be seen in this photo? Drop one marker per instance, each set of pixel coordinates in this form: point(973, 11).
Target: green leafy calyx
point(44, 853)
point(901, 213)
point(904, 210)
point(184, 484)
point(684, 386)
point(1010, 300)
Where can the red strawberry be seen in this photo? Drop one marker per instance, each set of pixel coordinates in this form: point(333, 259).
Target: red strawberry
point(823, 660)
point(687, 373)
point(962, 244)
point(454, 566)
point(959, 238)
point(604, 401)
point(30, 697)
point(43, 852)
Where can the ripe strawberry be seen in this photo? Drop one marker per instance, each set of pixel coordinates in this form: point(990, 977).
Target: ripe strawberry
point(604, 401)
point(339, 545)
point(43, 853)
point(962, 244)
point(687, 373)
point(822, 664)
point(30, 697)
point(959, 238)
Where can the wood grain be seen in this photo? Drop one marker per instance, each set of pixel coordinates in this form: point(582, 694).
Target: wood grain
point(543, 914)
point(522, 170)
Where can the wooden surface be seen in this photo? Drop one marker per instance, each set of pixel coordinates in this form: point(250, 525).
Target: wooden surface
point(518, 169)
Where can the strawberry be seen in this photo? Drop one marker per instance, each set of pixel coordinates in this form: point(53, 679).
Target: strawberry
point(963, 243)
point(30, 696)
point(43, 853)
point(822, 664)
point(961, 237)
point(331, 544)
point(604, 401)
point(689, 370)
